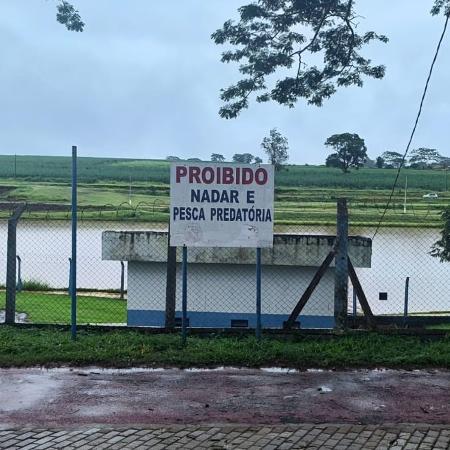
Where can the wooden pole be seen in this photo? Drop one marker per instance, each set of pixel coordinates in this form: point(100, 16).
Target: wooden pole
point(309, 290)
point(171, 284)
point(361, 296)
point(11, 267)
point(341, 266)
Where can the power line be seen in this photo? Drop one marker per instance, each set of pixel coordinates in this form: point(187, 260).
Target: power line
point(415, 126)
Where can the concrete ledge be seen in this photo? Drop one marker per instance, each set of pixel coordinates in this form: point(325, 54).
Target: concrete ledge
point(288, 250)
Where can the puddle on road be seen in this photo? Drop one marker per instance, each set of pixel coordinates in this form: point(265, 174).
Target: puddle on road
point(132, 370)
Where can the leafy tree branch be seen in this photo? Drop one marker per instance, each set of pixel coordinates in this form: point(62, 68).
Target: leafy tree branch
point(283, 35)
point(67, 15)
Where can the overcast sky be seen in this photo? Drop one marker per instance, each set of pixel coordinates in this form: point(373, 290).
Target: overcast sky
point(143, 81)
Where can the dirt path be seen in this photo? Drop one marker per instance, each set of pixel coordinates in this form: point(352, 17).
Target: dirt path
point(65, 397)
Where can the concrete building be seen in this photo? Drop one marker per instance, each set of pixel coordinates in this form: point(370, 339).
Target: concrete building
point(221, 281)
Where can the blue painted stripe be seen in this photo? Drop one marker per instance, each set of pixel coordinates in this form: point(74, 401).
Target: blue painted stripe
point(199, 319)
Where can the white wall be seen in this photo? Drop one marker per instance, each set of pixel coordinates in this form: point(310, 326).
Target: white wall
point(230, 288)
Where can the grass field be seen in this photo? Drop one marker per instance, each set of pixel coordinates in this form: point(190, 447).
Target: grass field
point(126, 348)
point(55, 308)
point(305, 195)
point(94, 170)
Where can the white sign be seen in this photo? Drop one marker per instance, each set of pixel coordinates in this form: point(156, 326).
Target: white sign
point(221, 205)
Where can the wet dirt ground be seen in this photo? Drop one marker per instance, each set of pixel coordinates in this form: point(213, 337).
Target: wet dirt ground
point(74, 397)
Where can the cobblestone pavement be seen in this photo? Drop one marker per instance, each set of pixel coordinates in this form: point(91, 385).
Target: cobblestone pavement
point(338, 437)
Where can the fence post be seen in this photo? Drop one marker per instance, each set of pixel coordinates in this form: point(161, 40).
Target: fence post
point(341, 266)
point(11, 267)
point(73, 266)
point(122, 280)
point(171, 284)
point(19, 285)
point(406, 306)
point(69, 290)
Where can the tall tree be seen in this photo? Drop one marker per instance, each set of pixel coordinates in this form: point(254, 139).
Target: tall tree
point(350, 150)
point(289, 36)
point(276, 147)
point(424, 157)
point(392, 159)
point(379, 162)
point(217, 157)
point(243, 158)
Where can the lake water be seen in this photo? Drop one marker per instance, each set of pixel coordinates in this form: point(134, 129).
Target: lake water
point(45, 248)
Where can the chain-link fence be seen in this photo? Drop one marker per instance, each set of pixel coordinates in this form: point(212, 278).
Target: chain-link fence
point(123, 271)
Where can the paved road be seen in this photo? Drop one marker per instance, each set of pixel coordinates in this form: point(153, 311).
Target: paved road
point(336, 437)
point(94, 408)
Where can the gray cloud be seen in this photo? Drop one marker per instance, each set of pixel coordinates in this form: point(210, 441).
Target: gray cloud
point(143, 81)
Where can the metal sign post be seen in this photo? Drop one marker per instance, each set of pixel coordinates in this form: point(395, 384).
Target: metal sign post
point(73, 266)
point(184, 296)
point(258, 294)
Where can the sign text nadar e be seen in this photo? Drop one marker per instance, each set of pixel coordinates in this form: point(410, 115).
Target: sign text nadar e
point(220, 205)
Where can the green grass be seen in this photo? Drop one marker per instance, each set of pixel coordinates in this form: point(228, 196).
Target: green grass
point(293, 206)
point(58, 168)
point(55, 308)
point(304, 195)
point(443, 327)
point(126, 348)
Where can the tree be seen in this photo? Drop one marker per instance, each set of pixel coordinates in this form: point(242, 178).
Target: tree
point(194, 160)
point(424, 157)
point(392, 159)
point(173, 158)
point(379, 162)
point(216, 157)
point(350, 150)
point(244, 158)
point(333, 161)
point(258, 160)
point(441, 248)
point(67, 15)
point(276, 147)
point(441, 5)
point(289, 36)
point(445, 162)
